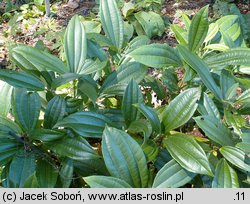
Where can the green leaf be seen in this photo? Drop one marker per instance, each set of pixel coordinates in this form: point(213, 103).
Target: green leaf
point(26, 109)
point(120, 78)
point(54, 112)
point(188, 153)
point(215, 130)
point(210, 107)
point(92, 66)
point(156, 55)
point(136, 43)
point(46, 174)
point(244, 146)
point(21, 80)
point(236, 157)
point(225, 176)
point(75, 45)
point(31, 58)
point(131, 96)
point(212, 31)
point(86, 124)
point(227, 80)
point(151, 115)
point(46, 135)
point(112, 22)
point(244, 97)
point(180, 34)
point(5, 98)
point(202, 69)
point(124, 157)
point(31, 182)
point(172, 175)
point(198, 29)
point(66, 173)
point(63, 79)
point(21, 168)
point(181, 109)
point(9, 147)
point(105, 182)
point(143, 126)
point(234, 56)
point(74, 148)
point(7, 125)
point(151, 23)
point(87, 87)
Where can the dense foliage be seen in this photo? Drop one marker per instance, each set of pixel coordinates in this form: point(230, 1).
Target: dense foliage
point(113, 112)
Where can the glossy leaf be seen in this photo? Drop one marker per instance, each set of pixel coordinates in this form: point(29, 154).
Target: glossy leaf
point(198, 29)
point(188, 153)
point(21, 80)
point(74, 148)
point(5, 99)
point(235, 56)
point(21, 168)
point(151, 115)
point(202, 69)
point(119, 79)
point(31, 58)
point(26, 109)
point(181, 109)
point(106, 182)
point(227, 80)
point(215, 130)
point(75, 45)
point(172, 175)
point(156, 55)
point(235, 156)
point(210, 107)
point(46, 135)
point(63, 79)
point(112, 22)
point(139, 126)
point(31, 182)
point(86, 124)
point(54, 112)
point(66, 173)
point(132, 95)
point(225, 176)
point(124, 157)
point(46, 174)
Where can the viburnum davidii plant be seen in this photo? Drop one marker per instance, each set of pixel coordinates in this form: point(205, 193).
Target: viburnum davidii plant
point(91, 120)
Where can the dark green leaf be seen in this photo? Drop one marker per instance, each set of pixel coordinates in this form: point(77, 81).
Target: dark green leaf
point(235, 156)
point(198, 29)
point(21, 80)
point(86, 124)
point(202, 69)
point(75, 45)
point(106, 182)
point(156, 55)
point(21, 168)
point(181, 109)
point(112, 22)
point(151, 115)
point(26, 109)
point(172, 175)
point(124, 157)
point(131, 96)
point(215, 130)
point(188, 153)
point(75, 148)
point(31, 58)
point(46, 174)
point(54, 112)
point(225, 176)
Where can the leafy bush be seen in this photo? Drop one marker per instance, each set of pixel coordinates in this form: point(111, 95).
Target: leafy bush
point(91, 120)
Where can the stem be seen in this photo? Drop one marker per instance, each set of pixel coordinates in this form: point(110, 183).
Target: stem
point(47, 7)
